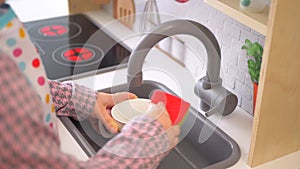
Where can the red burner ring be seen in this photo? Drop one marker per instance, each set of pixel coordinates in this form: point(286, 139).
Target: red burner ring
point(78, 54)
point(53, 30)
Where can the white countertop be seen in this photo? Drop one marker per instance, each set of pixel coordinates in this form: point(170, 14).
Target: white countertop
point(238, 125)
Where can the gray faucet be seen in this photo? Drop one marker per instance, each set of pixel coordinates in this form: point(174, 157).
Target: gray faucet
point(214, 97)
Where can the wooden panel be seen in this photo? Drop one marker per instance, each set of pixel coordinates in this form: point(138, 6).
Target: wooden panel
point(255, 20)
point(276, 128)
point(80, 6)
point(124, 11)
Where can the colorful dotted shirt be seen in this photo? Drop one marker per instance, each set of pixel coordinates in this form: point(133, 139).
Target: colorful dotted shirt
point(30, 104)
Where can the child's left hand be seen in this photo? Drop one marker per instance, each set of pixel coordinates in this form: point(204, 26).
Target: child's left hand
point(103, 106)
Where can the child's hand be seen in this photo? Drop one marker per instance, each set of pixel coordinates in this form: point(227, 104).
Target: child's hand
point(160, 113)
point(103, 107)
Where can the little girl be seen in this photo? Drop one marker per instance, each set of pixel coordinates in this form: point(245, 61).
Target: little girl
point(29, 104)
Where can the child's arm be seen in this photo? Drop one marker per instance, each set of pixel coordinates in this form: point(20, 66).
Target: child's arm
point(28, 142)
point(71, 99)
point(141, 144)
point(79, 102)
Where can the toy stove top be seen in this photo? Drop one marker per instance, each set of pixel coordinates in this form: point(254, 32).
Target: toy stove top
point(71, 46)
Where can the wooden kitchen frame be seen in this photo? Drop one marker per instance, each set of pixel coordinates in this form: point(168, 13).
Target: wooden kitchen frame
point(276, 128)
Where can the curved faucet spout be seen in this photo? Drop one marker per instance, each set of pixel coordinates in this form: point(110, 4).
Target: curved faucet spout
point(214, 97)
point(168, 29)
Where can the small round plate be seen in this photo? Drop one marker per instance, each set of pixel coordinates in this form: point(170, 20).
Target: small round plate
point(127, 110)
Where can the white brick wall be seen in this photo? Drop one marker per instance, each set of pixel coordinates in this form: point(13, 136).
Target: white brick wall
point(231, 36)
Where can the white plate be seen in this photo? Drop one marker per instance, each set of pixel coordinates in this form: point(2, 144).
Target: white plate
point(126, 110)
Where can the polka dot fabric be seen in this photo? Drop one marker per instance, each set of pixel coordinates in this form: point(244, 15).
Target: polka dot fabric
point(15, 40)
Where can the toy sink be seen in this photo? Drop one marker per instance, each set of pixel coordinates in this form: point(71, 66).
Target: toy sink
point(219, 151)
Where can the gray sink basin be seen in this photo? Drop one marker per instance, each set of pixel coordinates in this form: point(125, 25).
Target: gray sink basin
point(219, 151)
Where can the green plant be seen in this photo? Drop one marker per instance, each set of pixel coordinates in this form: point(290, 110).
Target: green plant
point(255, 50)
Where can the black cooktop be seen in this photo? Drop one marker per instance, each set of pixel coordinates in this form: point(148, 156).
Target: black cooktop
point(72, 45)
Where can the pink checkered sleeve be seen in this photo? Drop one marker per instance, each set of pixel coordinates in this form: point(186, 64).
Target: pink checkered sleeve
point(26, 142)
point(143, 143)
point(71, 99)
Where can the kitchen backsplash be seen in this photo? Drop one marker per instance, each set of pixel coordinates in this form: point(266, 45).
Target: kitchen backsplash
point(231, 36)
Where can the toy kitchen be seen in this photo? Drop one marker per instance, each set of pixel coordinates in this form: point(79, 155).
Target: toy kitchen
point(83, 44)
point(74, 47)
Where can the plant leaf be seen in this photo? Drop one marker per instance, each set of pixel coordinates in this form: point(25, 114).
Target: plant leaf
point(251, 64)
point(244, 47)
point(248, 42)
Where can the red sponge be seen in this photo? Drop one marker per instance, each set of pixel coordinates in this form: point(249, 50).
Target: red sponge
point(176, 107)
